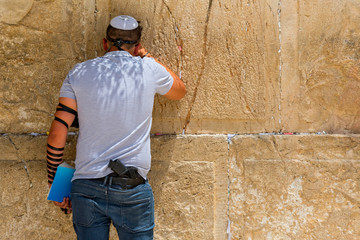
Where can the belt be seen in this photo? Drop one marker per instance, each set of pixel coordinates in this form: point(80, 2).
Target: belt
point(124, 182)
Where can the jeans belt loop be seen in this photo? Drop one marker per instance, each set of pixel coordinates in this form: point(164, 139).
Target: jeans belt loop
point(105, 180)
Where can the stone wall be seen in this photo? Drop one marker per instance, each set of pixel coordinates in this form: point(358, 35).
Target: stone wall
point(264, 146)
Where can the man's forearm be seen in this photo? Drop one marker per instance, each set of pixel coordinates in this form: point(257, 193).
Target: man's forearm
point(54, 152)
point(64, 116)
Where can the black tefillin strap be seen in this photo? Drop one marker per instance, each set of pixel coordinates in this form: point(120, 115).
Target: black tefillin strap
point(51, 174)
point(62, 107)
point(51, 168)
point(118, 42)
point(62, 121)
point(53, 154)
point(54, 159)
point(53, 163)
point(54, 148)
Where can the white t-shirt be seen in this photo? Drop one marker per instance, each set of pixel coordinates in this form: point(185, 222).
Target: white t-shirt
point(115, 97)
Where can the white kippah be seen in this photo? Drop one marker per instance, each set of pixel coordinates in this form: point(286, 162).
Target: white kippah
point(124, 22)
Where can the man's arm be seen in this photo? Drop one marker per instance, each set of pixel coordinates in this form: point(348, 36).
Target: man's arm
point(57, 136)
point(178, 89)
point(64, 116)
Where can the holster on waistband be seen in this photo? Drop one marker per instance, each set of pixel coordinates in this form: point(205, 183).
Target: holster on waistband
point(122, 171)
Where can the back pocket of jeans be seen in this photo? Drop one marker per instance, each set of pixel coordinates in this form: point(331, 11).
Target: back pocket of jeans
point(138, 215)
point(83, 209)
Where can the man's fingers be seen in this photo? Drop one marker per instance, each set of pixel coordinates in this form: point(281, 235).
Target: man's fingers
point(64, 204)
point(60, 204)
point(65, 210)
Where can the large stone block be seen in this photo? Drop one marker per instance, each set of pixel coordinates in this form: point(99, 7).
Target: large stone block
point(190, 188)
point(230, 67)
point(236, 90)
point(36, 53)
point(320, 66)
point(297, 187)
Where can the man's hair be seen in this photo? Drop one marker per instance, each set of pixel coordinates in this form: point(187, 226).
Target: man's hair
point(114, 34)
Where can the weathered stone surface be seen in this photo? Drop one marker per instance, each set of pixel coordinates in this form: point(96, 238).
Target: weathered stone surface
point(190, 202)
point(269, 187)
point(295, 187)
point(7, 149)
point(320, 82)
point(186, 187)
point(29, 147)
point(13, 11)
point(174, 35)
point(223, 63)
point(276, 68)
point(35, 56)
point(25, 213)
point(236, 88)
point(249, 67)
point(37, 53)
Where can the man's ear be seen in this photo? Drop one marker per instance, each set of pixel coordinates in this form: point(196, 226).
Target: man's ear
point(105, 44)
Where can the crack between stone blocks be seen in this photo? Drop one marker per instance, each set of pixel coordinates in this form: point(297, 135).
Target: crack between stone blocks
point(228, 230)
point(350, 135)
point(22, 160)
point(178, 40)
point(204, 51)
point(280, 61)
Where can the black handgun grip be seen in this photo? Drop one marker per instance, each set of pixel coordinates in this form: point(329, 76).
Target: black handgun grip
point(117, 167)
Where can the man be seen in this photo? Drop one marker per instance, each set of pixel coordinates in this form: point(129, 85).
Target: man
point(113, 97)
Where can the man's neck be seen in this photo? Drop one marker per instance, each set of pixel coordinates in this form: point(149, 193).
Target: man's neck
point(114, 48)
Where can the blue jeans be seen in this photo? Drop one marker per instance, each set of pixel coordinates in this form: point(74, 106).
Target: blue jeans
point(96, 205)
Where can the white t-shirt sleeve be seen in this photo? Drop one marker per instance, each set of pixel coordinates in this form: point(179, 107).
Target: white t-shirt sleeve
point(163, 80)
point(66, 89)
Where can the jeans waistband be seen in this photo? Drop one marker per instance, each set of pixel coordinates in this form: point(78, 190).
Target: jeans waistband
point(124, 182)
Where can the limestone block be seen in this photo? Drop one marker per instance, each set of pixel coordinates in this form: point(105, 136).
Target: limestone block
point(298, 187)
point(25, 212)
point(36, 54)
point(188, 187)
point(184, 197)
point(229, 67)
point(320, 66)
point(236, 90)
